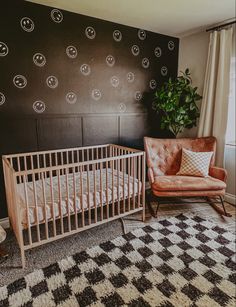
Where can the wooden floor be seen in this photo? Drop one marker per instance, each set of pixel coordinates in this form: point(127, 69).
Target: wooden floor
point(204, 210)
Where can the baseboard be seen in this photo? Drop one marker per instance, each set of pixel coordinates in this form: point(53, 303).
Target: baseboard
point(5, 222)
point(230, 198)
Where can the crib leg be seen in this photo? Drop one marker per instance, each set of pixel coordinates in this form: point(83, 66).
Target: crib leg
point(22, 251)
point(143, 215)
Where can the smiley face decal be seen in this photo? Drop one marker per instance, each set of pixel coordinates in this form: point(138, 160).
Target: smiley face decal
point(145, 62)
point(164, 70)
point(27, 24)
point(71, 52)
point(90, 32)
point(56, 15)
point(142, 34)
point(110, 60)
point(71, 98)
point(39, 59)
point(20, 81)
point(52, 81)
point(157, 52)
point(152, 84)
point(135, 50)
point(130, 77)
point(122, 107)
point(114, 81)
point(2, 98)
point(117, 35)
point(96, 94)
point(3, 49)
point(138, 96)
point(39, 106)
point(85, 69)
point(171, 45)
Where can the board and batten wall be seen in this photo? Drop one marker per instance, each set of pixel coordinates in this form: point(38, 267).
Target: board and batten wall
point(68, 80)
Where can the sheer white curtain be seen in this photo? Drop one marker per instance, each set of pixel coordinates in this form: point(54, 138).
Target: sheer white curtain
point(214, 109)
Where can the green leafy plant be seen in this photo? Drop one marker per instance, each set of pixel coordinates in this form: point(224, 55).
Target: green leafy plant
point(176, 101)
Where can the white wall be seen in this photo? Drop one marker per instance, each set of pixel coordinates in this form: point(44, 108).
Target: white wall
point(193, 50)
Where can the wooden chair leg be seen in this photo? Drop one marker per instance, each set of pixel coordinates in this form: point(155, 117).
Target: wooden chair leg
point(219, 210)
point(223, 205)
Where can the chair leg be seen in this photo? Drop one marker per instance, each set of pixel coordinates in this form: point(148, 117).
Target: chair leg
point(219, 210)
point(148, 199)
point(223, 205)
point(158, 205)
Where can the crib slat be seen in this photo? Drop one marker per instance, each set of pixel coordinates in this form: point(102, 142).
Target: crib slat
point(75, 198)
point(88, 198)
point(101, 190)
point(129, 184)
point(107, 195)
point(118, 185)
point(60, 202)
point(68, 201)
point(134, 171)
point(27, 208)
point(143, 183)
point(36, 208)
point(123, 177)
point(113, 201)
point(19, 169)
point(45, 205)
point(95, 192)
point(52, 200)
point(81, 195)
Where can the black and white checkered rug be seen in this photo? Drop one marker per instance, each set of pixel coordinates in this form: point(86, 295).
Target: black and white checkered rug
point(179, 261)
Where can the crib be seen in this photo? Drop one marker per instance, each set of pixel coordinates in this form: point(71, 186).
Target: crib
point(57, 193)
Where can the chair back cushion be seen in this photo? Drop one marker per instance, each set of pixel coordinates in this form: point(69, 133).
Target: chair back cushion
point(164, 155)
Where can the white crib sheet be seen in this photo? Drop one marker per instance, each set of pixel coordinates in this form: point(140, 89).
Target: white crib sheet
point(88, 198)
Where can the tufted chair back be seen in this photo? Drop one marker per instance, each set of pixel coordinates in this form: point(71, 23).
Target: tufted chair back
point(164, 155)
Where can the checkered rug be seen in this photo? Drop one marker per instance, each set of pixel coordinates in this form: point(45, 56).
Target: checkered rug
point(179, 261)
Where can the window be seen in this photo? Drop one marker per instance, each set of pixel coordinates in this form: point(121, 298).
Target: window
point(230, 133)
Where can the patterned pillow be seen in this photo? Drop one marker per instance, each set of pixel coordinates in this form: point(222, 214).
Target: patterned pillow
point(195, 163)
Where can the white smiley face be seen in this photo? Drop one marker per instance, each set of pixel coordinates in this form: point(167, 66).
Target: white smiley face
point(3, 49)
point(130, 77)
point(135, 50)
point(90, 32)
point(71, 97)
point(142, 34)
point(2, 98)
point(96, 94)
point(138, 96)
point(110, 60)
point(39, 106)
point(39, 59)
point(27, 24)
point(115, 81)
point(20, 81)
point(171, 45)
point(157, 52)
point(117, 35)
point(152, 84)
point(85, 69)
point(145, 62)
point(71, 52)
point(52, 82)
point(122, 107)
point(56, 15)
point(164, 70)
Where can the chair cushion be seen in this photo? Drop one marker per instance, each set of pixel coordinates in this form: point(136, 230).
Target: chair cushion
point(187, 183)
point(195, 163)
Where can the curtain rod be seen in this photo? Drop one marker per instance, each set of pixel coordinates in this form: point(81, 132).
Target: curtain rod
point(221, 26)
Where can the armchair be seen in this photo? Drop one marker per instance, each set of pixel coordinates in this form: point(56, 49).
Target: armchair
point(163, 161)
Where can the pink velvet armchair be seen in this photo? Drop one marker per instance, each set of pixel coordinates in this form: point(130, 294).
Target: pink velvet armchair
point(163, 161)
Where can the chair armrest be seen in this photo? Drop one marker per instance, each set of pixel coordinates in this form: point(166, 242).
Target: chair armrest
point(218, 173)
point(150, 175)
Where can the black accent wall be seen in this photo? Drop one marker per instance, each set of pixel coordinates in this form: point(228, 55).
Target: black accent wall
point(71, 80)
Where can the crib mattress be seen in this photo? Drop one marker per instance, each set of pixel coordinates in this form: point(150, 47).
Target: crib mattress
point(45, 201)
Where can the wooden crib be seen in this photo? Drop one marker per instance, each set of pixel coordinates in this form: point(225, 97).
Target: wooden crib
point(53, 194)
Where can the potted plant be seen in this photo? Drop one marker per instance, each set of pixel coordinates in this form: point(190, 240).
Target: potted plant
point(176, 101)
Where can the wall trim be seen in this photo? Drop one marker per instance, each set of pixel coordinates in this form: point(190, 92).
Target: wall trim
point(230, 198)
point(5, 222)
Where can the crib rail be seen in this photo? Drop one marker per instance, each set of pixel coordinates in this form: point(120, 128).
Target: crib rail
point(52, 194)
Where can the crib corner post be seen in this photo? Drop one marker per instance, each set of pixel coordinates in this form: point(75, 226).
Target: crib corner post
point(143, 186)
point(23, 261)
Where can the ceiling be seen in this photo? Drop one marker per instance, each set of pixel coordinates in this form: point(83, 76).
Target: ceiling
point(171, 17)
